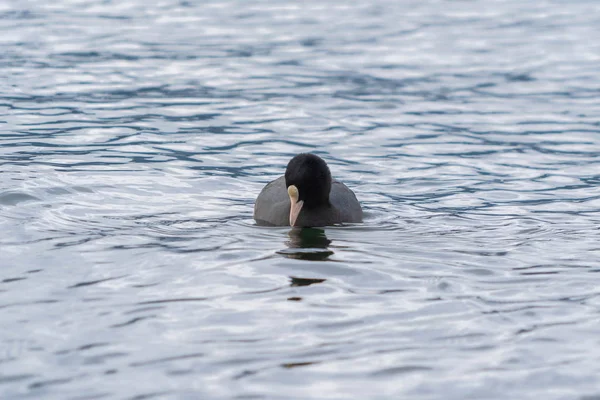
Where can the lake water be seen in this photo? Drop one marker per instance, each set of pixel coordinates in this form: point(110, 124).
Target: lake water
point(135, 137)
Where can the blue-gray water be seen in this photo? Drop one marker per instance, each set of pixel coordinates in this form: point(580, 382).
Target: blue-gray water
point(136, 135)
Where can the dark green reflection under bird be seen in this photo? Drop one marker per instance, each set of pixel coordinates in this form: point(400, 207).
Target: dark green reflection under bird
point(307, 244)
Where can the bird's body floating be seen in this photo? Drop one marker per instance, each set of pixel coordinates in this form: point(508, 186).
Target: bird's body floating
point(306, 196)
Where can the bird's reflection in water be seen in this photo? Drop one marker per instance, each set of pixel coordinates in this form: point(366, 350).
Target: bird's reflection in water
point(307, 244)
point(295, 281)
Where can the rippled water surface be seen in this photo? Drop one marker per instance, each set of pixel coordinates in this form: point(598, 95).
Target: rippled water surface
point(135, 136)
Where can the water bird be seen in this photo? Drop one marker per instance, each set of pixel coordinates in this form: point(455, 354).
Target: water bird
point(306, 196)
